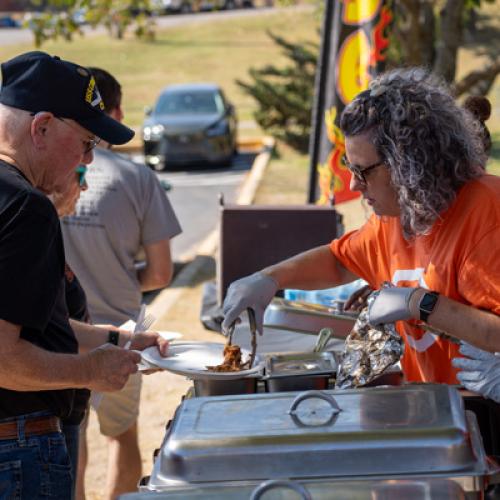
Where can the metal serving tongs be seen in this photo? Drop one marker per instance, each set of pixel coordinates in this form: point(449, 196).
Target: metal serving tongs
point(324, 336)
point(253, 330)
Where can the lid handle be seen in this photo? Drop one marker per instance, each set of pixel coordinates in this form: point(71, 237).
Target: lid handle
point(280, 483)
point(335, 408)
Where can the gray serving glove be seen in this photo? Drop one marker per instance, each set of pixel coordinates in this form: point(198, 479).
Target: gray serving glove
point(480, 373)
point(254, 292)
point(391, 304)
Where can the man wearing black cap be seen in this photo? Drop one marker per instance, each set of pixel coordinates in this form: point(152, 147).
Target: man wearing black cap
point(51, 118)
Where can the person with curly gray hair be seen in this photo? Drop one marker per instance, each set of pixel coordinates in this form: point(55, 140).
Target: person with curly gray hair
point(418, 160)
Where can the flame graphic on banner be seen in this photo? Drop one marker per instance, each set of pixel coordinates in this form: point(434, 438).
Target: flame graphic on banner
point(360, 52)
point(380, 41)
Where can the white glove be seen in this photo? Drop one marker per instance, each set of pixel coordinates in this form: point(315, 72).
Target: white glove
point(390, 305)
point(254, 292)
point(480, 373)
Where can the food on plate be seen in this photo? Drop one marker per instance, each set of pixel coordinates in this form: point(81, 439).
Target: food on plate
point(232, 360)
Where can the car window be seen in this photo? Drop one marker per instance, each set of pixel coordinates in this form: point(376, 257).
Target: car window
point(194, 102)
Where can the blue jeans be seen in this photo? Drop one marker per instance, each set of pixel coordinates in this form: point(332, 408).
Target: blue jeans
point(72, 436)
point(34, 467)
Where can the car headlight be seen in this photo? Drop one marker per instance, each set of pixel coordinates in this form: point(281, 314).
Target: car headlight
point(218, 128)
point(153, 132)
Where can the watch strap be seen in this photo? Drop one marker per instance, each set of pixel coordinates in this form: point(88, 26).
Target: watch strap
point(427, 304)
point(113, 337)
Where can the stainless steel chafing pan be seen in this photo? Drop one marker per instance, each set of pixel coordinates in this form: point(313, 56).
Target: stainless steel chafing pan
point(371, 433)
point(417, 489)
point(308, 318)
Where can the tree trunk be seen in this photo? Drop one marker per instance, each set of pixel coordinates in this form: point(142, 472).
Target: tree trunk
point(415, 31)
point(428, 29)
point(450, 39)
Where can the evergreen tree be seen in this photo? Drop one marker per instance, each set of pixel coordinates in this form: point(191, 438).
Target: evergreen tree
point(284, 96)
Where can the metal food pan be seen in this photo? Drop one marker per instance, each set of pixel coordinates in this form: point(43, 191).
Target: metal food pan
point(206, 387)
point(299, 371)
point(308, 318)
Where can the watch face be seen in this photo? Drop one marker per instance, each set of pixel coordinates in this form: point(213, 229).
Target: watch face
point(428, 301)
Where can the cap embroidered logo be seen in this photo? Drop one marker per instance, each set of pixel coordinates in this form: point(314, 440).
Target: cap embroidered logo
point(92, 95)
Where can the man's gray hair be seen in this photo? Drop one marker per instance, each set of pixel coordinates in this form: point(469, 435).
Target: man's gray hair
point(429, 143)
point(14, 123)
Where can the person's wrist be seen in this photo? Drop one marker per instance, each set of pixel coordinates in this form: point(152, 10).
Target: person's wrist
point(268, 274)
point(113, 337)
point(414, 304)
point(125, 337)
point(86, 370)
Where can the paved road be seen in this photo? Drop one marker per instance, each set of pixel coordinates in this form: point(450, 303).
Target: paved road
point(195, 198)
point(11, 36)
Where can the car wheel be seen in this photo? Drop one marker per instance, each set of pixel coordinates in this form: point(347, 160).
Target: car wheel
point(229, 5)
point(185, 8)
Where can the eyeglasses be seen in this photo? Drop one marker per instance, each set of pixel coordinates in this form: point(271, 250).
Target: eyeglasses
point(89, 144)
point(81, 172)
point(358, 172)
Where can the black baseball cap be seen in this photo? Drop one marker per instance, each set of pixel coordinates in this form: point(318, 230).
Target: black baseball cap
point(36, 81)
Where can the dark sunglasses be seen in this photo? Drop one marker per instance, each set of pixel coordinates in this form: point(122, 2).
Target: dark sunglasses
point(357, 171)
point(81, 172)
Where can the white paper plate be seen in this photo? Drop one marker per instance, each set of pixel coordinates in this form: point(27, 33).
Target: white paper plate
point(192, 358)
point(169, 335)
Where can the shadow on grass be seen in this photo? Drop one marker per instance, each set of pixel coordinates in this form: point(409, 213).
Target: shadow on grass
point(484, 38)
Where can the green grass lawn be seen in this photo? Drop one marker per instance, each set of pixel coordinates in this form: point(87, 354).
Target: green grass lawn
point(223, 51)
point(219, 52)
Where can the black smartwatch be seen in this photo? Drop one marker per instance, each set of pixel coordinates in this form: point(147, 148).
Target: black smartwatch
point(427, 304)
point(113, 337)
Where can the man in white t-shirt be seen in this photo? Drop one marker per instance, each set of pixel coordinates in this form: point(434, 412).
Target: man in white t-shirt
point(125, 212)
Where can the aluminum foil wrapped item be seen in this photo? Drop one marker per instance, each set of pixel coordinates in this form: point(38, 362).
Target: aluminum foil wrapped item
point(368, 351)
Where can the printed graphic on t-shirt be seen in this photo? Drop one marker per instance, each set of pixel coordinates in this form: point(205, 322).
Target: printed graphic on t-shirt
point(87, 211)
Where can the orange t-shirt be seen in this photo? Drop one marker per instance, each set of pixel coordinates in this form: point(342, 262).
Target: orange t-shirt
point(460, 259)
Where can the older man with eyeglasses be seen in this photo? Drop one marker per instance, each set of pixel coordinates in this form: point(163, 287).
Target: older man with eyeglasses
point(51, 116)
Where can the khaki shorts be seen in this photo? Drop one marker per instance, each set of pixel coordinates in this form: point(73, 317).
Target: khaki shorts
point(119, 410)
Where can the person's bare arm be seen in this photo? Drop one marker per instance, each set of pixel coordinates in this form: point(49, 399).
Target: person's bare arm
point(357, 300)
point(92, 336)
point(316, 268)
point(26, 367)
point(476, 326)
point(159, 269)
point(312, 270)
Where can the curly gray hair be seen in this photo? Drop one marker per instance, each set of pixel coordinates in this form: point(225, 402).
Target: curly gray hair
point(429, 143)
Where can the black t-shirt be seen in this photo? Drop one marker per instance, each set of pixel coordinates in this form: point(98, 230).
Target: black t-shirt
point(77, 308)
point(32, 291)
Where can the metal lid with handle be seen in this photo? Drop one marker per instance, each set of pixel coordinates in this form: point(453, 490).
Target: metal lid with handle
point(280, 483)
point(309, 418)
